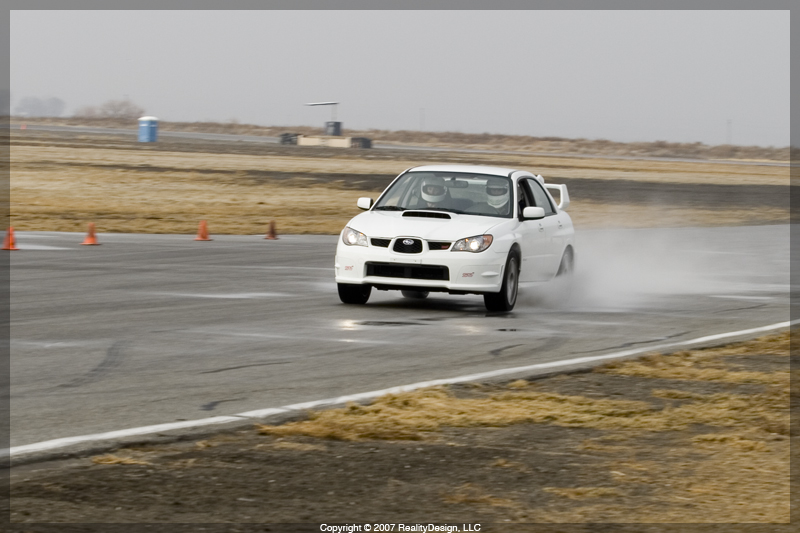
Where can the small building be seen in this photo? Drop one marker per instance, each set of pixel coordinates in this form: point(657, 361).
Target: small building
point(148, 129)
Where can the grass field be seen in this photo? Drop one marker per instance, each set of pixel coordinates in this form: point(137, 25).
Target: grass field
point(62, 183)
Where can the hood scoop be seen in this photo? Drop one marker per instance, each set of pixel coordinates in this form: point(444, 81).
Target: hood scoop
point(426, 214)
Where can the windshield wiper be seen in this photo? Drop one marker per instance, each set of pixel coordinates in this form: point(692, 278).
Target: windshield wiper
point(389, 208)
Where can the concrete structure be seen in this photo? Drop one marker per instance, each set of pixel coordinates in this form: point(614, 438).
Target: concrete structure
point(313, 140)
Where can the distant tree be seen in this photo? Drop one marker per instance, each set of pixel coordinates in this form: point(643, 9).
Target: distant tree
point(86, 112)
point(111, 109)
point(38, 107)
point(120, 109)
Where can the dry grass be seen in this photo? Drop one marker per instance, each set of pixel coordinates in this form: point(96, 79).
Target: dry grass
point(735, 471)
point(568, 167)
point(513, 465)
point(137, 202)
point(589, 214)
point(421, 414)
point(464, 140)
point(62, 188)
point(474, 495)
point(582, 493)
point(299, 446)
point(183, 463)
point(707, 365)
point(110, 459)
point(661, 367)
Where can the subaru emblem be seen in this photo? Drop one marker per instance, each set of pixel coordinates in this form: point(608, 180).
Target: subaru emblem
point(408, 242)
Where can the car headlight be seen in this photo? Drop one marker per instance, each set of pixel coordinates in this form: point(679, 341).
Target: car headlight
point(352, 237)
point(472, 244)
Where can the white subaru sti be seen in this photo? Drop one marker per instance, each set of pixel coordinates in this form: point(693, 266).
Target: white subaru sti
point(457, 229)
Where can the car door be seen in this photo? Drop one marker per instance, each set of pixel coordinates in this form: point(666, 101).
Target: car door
point(548, 256)
point(532, 237)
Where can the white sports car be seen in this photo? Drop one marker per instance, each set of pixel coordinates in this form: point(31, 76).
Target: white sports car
point(457, 229)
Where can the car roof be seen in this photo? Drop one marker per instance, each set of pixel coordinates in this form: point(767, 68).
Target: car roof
point(471, 169)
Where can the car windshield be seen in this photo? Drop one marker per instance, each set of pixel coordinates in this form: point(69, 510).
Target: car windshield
point(455, 192)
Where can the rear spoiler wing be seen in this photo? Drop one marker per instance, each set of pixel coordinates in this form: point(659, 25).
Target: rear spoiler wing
point(562, 194)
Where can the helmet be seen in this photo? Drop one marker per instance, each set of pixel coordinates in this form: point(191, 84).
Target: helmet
point(433, 189)
point(497, 192)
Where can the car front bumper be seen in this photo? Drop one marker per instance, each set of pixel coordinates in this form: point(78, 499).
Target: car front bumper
point(435, 270)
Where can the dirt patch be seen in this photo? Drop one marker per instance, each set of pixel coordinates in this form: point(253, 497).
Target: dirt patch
point(60, 181)
point(644, 441)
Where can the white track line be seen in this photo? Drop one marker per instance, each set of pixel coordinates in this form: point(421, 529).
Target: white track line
point(145, 430)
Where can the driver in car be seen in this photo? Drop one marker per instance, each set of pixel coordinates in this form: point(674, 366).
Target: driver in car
point(434, 194)
point(497, 195)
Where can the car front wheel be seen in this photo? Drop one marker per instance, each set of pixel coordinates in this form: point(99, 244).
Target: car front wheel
point(354, 294)
point(507, 297)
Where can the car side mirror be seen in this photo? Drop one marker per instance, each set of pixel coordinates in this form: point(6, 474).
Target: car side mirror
point(533, 213)
point(365, 203)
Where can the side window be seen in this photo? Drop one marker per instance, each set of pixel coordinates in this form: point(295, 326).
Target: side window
point(540, 198)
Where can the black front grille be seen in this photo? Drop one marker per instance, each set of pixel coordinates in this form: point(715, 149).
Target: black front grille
point(436, 245)
point(415, 247)
point(396, 270)
point(383, 243)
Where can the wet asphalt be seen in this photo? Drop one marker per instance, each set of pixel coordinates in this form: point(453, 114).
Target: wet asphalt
point(150, 329)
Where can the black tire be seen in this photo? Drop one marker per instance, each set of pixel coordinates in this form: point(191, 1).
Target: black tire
point(415, 295)
point(505, 300)
point(354, 294)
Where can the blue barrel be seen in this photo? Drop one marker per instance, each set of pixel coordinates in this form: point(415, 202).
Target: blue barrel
point(148, 129)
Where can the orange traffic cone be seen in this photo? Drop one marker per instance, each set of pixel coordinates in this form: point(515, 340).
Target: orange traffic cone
point(10, 243)
point(271, 235)
point(202, 232)
point(91, 238)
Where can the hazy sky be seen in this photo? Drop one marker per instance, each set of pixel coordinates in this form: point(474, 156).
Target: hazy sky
point(619, 75)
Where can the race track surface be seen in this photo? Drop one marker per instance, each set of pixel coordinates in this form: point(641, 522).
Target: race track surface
point(151, 329)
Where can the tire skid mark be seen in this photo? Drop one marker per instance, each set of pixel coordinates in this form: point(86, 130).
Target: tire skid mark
point(210, 406)
point(244, 366)
point(740, 309)
point(549, 343)
point(112, 360)
point(628, 344)
point(498, 351)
